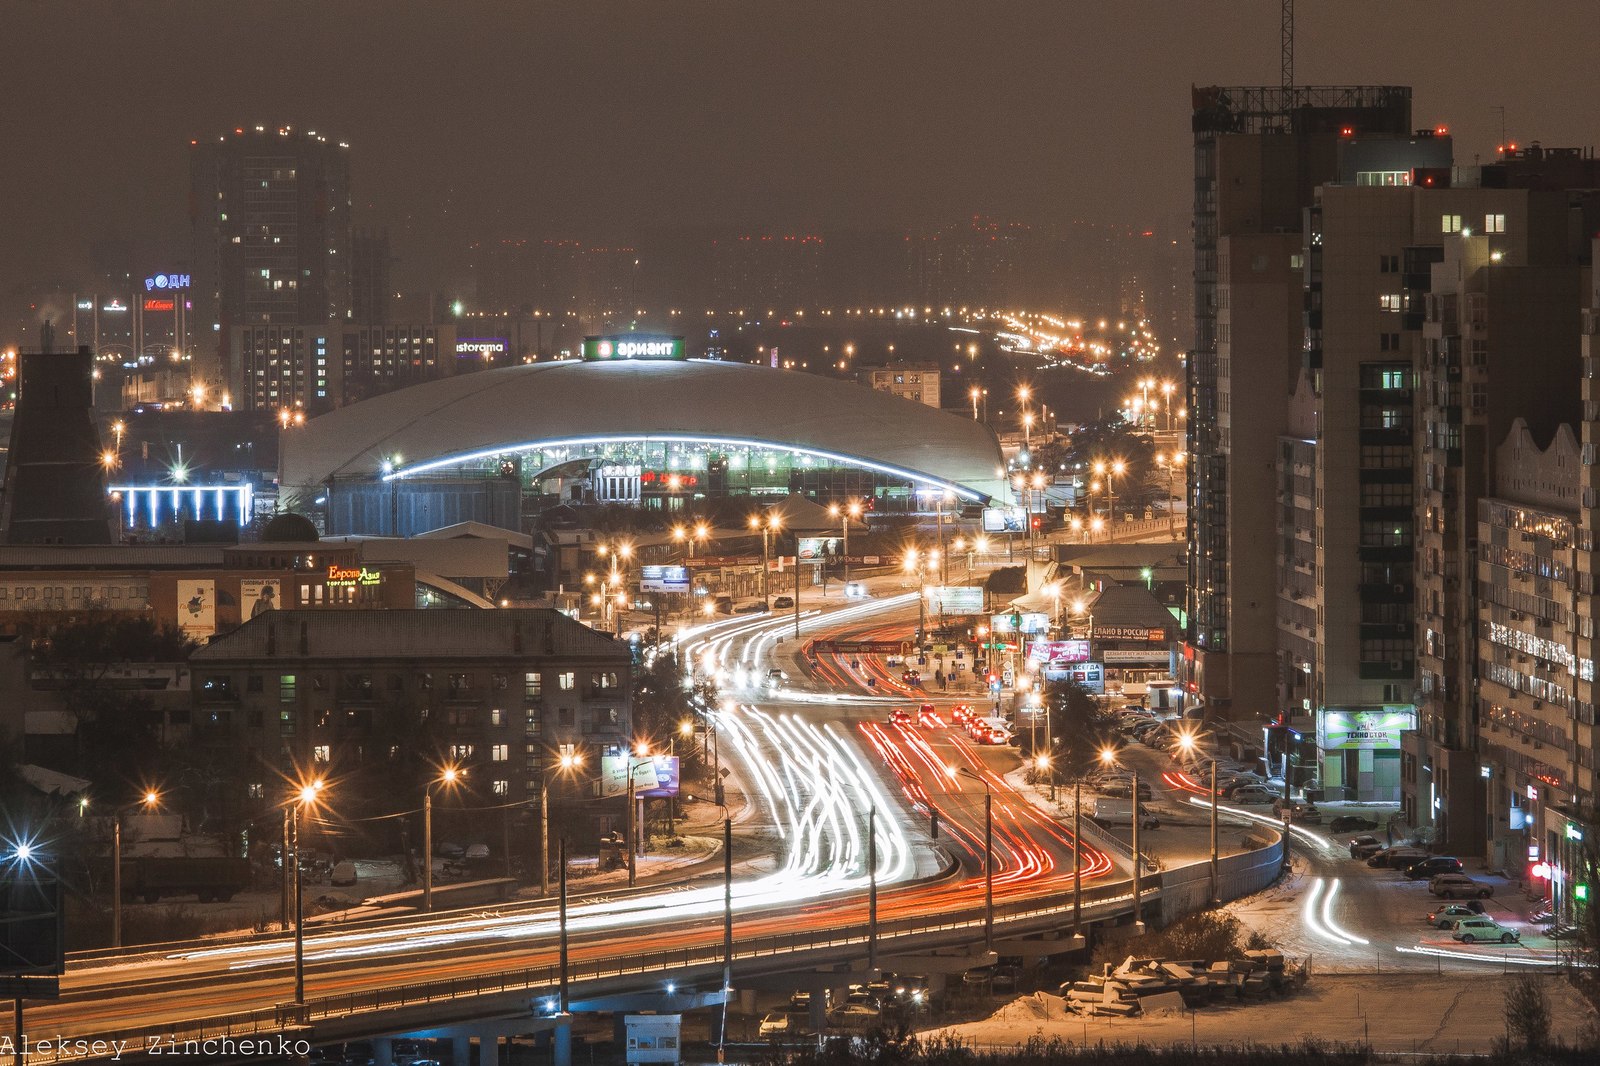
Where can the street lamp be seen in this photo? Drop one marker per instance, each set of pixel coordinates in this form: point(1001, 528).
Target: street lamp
point(643, 754)
point(844, 515)
point(448, 777)
point(148, 801)
point(1170, 463)
point(1108, 757)
point(306, 796)
point(771, 524)
point(974, 393)
point(988, 853)
point(1188, 744)
point(698, 532)
point(568, 762)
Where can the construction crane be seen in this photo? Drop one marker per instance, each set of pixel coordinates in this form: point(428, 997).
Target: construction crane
point(1286, 37)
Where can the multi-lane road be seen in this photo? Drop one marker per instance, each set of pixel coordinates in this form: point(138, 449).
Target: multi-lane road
point(815, 759)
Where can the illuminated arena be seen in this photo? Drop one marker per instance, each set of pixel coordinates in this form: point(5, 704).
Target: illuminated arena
point(652, 433)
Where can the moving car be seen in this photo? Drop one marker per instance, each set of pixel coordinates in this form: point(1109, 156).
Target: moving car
point(900, 716)
point(780, 602)
point(961, 714)
point(1351, 823)
point(1471, 930)
point(1432, 867)
point(1446, 917)
point(855, 590)
point(1365, 846)
point(1459, 886)
point(928, 717)
point(776, 677)
point(912, 677)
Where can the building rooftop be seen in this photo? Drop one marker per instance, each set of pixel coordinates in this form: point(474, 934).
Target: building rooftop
point(298, 636)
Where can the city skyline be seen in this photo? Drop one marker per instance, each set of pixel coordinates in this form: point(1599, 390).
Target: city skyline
point(602, 124)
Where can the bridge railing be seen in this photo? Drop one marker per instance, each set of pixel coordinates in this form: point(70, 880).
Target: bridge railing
point(680, 965)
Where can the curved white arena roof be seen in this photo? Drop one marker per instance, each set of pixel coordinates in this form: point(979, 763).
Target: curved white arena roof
point(461, 419)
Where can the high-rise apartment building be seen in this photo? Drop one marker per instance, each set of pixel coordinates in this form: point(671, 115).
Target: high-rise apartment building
point(1259, 154)
point(273, 238)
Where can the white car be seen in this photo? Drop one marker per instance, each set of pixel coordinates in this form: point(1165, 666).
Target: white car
point(855, 590)
point(775, 1024)
point(1252, 796)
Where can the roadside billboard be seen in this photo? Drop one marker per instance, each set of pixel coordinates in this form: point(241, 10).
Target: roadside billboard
point(956, 599)
point(1058, 652)
point(814, 549)
point(654, 776)
point(1020, 622)
point(664, 579)
point(1004, 520)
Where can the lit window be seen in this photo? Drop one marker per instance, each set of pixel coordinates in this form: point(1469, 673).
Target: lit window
point(501, 788)
point(1450, 223)
point(1494, 223)
point(321, 753)
point(499, 753)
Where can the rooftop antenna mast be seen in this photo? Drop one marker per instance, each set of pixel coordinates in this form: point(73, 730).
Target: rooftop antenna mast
point(1286, 37)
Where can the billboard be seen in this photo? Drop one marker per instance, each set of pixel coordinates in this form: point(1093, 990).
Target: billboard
point(1091, 676)
point(956, 599)
point(664, 579)
point(814, 549)
point(1375, 730)
point(1058, 652)
point(1026, 623)
point(257, 595)
point(1004, 520)
point(30, 919)
point(654, 776)
point(197, 608)
point(1149, 634)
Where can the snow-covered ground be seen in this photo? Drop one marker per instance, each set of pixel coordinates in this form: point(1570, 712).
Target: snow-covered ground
point(1391, 1012)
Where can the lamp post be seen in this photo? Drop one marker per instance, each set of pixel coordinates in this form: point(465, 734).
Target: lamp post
point(633, 818)
point(569, 761)
point(988, 854)
point(1077, 855)
point(768, 526)
point(974, 393)
point(1170, 463)
point(700, 531)
point(149, 801)
point(844, 515)
point(306, 797)
point(447, 776)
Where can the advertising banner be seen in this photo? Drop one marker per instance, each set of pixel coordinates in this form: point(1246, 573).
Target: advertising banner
point(1154, 655)
point(1152, 635)
point(956, 599)
point(1091, 676)
point(814, 549)
point(1375, 730)
point(1058, 653)
point(197, 608)
point(1017, 622)
point(664, 579)
point(258, 595)
point(1004, 520)
point(654, 776)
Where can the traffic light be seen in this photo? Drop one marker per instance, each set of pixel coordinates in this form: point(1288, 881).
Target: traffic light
point(1580, 892)
point(1035, 521)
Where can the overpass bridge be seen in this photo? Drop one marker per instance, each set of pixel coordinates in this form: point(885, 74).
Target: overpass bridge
point(517, 997)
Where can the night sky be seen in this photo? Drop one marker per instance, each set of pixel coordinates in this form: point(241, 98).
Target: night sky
point(472, 119)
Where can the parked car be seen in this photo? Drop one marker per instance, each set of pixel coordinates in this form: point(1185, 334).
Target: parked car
point(1446, 917)
point(855, 1016)
point(1364, 846)
point(1432, 867)
point(780, 602)
point(774, 1025)
point(1459, 886)
point(1471, 930)
point(1397, 857)
point(978, 977)
point(1351, 823)
point(1006, 978)
point(1252, 796)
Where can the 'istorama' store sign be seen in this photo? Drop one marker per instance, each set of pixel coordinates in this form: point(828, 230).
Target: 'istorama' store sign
point(632, 346)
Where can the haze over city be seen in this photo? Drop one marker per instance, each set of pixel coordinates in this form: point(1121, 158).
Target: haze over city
point(1010, 532)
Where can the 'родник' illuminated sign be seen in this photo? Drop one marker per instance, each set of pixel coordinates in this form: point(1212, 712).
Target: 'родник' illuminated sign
point(632, 346)
point(166, 281)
